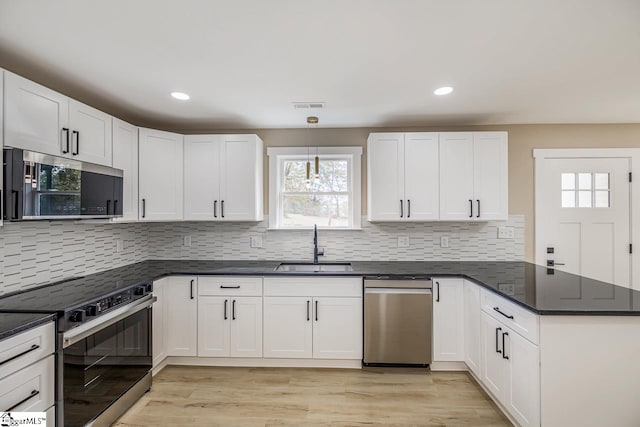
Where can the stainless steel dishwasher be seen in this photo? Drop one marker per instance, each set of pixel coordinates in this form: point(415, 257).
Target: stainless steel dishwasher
point(397, 322)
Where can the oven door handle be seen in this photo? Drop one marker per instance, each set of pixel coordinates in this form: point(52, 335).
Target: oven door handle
point(83, 331)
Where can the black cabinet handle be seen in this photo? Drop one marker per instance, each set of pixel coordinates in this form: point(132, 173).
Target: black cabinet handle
point(316, 311)
point(215, 209)
point(222, 208)
point(115, 207)
point(77, 150)
point(401, 209)
point(497, 345)
point(478, 215)
point(144, 208)
point(437, 291)
point(505, 315)
point(191, 289)
point(308, 306)
point(32, 395)
point(408, 208)
point(108, 206)
point(229, 287)
point(14, 201)
point(225, 309)
point(233, 310)
point(504, 349)
point(66, 149)
point(32, 348)
point(470, 208)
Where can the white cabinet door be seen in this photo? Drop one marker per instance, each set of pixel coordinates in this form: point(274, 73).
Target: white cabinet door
point(456, 176)
point(337, 328)
point(202, 177)
point(160, 175)
point(1, 143)
point(125, 157)
point(287, 327)
point(522, 392)
point(421, 176)
point(490, 175)
point(494, 368)
point(246, 327)
point(35, 117)
point(214, 326)
point(158, 313)
point(90, 134)
point(472, 333)
point(385, 177)
point(241, 178)
point(182, 315)
point(448, 320)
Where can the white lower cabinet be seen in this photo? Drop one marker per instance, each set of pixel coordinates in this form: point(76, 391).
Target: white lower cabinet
point(472, 333)
point(288, 329)
point(158, 322)
point(181, 315)
point(31, 389)
point(448, 320)
point(337, 328)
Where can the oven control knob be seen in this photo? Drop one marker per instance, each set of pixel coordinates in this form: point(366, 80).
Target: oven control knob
point(148, 287)
point(76, 316)
point(92, 310)
point(139, 290)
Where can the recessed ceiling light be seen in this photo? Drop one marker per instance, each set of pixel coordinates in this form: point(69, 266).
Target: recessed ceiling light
point(445, 90)
point(180, 95)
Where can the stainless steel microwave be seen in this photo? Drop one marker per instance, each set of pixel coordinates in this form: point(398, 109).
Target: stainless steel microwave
point(40, 186)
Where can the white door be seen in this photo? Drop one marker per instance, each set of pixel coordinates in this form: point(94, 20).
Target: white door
point(490, 176)
point(493, 370)
point(182, 315)
point(472, 334)
point(337, 328)
point(214, 326)
point(582, 215)
point(125, 157)
point(456, 176)
point(422, 176)
point(448, 320)
point(288, 330)
point(522, 391)
point(202, 177)
point(160, 175)
point(1, 140)
point(246, 327)
point(90, 134)
point(241, 178)
point(158, 317)
point(385, 177)
point(35, 117)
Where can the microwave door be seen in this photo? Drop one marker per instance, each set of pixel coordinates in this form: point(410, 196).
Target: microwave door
point(50, 191)
point(118, 196)
point(97, 195)
point(13, 178)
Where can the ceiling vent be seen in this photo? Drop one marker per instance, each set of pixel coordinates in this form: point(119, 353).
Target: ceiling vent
point(308, 105)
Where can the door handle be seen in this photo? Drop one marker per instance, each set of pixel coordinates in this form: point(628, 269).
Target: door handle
point(31, 396)
point(66, 149)
point(144, 208)
point(401, 209)
point(508, 316)
point(408, 208)
point(14, 201)
point(308, 306)
point(215, 209)
point(497, 346)
point(191, 289)
point(437, 291)
point(34, 347)
point(225, 309)
point(108, 206)
point(478, 200)
point(470, 208)
point(222, 208)
point(316, 310)
point(504, 349)
point(233, 310)
point(229, 287)
point(77, 150)
point(115, 207)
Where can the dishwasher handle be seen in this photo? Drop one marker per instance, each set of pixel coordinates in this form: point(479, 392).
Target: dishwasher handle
point(421, 291)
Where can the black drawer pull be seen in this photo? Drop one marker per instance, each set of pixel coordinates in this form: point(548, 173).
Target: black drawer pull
point(31, 396)
point(233, 310)
point(225, 309)
point(497, 345)
point(229, 287)
point(504, 349)
point(308, 303)
point(32, 348)
point(505, 315)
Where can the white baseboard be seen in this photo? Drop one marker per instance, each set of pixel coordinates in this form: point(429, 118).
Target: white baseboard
point(263, 362)
point(159, 367)
point(448, 366)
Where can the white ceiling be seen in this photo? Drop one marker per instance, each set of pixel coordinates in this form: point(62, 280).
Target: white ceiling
point(374, 62)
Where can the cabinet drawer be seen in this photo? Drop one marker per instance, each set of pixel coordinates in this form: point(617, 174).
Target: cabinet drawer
point(30, 389)
point(229, 285)
point(313, 286)
point(517, 318)
point(25, 348)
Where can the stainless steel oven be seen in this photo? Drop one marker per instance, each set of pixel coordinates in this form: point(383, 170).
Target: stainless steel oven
point(106, 361)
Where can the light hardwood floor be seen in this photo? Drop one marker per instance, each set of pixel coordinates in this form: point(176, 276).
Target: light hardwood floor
point(222, 396)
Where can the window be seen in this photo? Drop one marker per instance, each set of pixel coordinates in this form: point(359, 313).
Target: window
point(586, 190)
point(330, 199)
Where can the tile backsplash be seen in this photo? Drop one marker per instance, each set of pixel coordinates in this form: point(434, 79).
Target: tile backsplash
point(33, 253)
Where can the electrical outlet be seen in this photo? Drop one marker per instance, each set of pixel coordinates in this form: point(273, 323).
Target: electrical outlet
point(119, 245)
point(507, 288)
point(187, 241)
point(506, 232)
point(403, 242)
point(255, 241)
point(444, 242)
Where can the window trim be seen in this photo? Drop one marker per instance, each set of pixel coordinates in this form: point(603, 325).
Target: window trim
point(278, 154)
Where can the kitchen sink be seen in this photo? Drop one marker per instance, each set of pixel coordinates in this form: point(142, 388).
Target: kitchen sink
point(310, 267)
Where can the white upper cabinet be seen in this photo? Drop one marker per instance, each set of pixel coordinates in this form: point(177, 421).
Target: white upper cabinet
point(90, 134)
point(448, 320)
point(473, 176)
point(125, 157)
point(1, 143)
point(223, 178)
point(42, 120)
point(160, 175)
point(36, 117)
point(403, 176)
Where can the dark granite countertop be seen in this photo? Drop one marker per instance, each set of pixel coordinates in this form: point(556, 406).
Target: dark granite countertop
point(14, 323)
point(534, 287)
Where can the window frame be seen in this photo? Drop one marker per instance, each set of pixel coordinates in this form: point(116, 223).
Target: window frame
point(277, 157)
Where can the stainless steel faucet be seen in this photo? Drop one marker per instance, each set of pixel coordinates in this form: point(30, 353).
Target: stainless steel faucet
point(316, 252)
